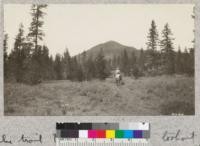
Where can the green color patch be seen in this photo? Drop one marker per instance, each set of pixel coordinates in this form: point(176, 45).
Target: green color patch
point(119, 134)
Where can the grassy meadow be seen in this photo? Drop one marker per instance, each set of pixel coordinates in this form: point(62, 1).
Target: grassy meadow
point(146, 96)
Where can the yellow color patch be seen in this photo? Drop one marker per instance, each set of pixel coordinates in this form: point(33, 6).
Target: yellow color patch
point(110, 133)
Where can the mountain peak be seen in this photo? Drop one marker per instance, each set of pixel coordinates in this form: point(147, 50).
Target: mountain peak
point(110, 48)
point(111, 42)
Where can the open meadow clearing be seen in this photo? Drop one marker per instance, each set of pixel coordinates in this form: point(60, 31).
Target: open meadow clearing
point(161, 95)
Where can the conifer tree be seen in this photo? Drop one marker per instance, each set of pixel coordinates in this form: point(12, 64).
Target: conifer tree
point(5, 48)
point(36, 32)
point(152, 43)
point(18, 56)
point(167, 50)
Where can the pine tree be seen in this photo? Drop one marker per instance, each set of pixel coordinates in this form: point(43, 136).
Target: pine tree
point(18, 56)
point(152, 37)
point(5, 48)
point(36, 32)
point(167, 50)
point(152, 43)
point(192, 50)
point(193, 17)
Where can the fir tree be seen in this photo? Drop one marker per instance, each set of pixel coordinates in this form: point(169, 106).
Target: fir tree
point(167, 50)
point(152, 43)
point(18, 56)
point(5, 48)
point(36, 32)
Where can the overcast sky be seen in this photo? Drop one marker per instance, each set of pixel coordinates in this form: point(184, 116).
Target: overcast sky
point(81, 26)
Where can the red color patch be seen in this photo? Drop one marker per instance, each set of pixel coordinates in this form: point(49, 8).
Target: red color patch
point(101, 134)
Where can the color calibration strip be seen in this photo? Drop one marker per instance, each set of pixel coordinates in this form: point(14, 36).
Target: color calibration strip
point(103, 130)
point(102, 134)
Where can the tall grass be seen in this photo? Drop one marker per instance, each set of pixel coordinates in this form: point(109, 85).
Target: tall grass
point(161, 95)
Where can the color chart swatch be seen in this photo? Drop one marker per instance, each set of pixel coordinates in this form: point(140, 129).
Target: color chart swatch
point(103, 130)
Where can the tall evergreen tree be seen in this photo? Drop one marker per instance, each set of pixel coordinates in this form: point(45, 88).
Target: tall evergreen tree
point(167, 50)
point(36, 32)
point(152, 43)
point(18, 56)
point(5, 48)
point(152, 37)
point(193, 17)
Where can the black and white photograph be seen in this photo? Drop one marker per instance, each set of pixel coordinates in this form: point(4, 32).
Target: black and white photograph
point(99, 60)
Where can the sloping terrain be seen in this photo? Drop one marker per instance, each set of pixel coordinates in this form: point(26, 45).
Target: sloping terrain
point(162, 95)
point(110, 50)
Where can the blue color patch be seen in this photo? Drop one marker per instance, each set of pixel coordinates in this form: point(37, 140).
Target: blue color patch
point(128, 133)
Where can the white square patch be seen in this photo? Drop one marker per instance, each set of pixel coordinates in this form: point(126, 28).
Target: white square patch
point(83, 133)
